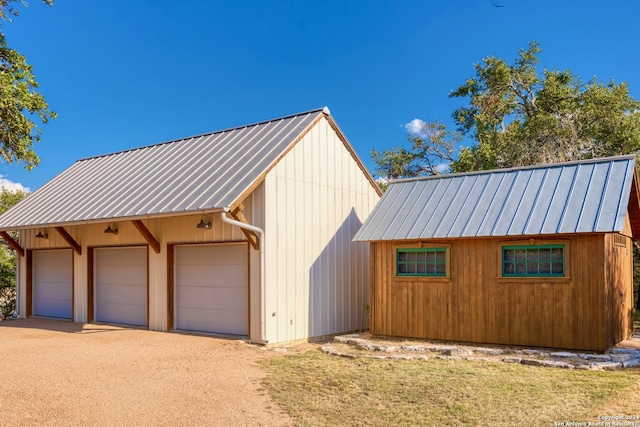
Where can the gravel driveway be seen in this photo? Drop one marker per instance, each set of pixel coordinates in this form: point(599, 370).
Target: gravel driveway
point(63, 373)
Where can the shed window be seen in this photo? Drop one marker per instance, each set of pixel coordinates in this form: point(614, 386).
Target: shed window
point(421, 262)
point(532, 261)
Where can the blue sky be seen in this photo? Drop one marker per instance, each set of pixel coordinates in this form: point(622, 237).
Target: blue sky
point(127, 73)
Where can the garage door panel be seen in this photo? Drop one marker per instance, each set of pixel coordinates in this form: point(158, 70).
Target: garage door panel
point(226, 322)
point(211, 288)
point(53, 307)
point(123, 275)
point(221, 275)
point(130, 314)
point(52, 283)
point(133, 256)
point(51, 272)
point(54, 291)
point(122, 294)
point(121, 285)
point(214, 298)
point(198, 254)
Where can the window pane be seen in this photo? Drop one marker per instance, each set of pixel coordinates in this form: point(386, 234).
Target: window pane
point(402, 256)
point(557, 268)
point(521, 254)
point(532, 268)
point(508, 268)
point(521, 267)
point(532, 255)
point(441, 269)
point(545, 268)
point(422, 257)
point(411, 257)
point(431, 268)
point(411, 268)
point(545, 254)
point(557, 254)
point(402, 268)
point(440, 257)
point(431, 257)
point(508, 254)
point(422, 268)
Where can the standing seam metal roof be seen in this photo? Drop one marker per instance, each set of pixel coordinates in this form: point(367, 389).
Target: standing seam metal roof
point(573, 197)
point(196, 174)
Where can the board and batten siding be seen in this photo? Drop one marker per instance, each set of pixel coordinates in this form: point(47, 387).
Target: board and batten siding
point(477, 305)
point(317, 278)
point(166, 230)
point(618, 295)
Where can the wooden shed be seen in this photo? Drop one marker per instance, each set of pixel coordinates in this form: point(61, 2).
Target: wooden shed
point(245, 231)
point(536, 256)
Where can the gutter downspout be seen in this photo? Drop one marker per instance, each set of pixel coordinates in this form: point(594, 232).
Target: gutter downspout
point(260, 232)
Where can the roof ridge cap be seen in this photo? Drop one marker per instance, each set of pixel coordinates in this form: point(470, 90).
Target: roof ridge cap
point(324, 110)
point(517, 168)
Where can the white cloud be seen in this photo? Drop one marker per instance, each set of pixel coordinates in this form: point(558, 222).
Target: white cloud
point(443, 167)
point(414, 126)
point(12, 186)
point(381, 180)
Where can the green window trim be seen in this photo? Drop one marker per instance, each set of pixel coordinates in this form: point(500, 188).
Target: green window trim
point(534, 261)
point(428, 262)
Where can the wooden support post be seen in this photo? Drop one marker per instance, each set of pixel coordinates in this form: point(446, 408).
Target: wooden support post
point(11, 242)
point(70, 240)
point(147, 235)
point(251, 236)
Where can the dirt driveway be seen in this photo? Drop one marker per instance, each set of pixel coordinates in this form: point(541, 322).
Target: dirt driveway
point(61, 373)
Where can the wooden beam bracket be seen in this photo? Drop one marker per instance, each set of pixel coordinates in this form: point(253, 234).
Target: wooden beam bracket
point(251, 236)
point(147, 235)
point(70, 240)
point(11, 242)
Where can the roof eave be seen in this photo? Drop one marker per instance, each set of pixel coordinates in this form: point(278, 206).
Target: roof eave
point(114, 219)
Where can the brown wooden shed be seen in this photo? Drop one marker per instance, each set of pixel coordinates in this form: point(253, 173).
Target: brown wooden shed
point(536, 256)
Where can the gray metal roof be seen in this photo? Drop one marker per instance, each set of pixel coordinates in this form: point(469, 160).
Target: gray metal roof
point(200, 173)
point(573, 197)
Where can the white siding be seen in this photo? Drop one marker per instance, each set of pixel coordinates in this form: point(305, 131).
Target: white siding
point(317, 279)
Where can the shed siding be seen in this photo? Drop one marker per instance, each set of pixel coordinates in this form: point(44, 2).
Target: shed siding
point(475, 305)
point(619, 295)
point(318, 279)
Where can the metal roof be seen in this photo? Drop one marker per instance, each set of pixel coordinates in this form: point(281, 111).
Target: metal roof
point(574, 197)
point(200, 173)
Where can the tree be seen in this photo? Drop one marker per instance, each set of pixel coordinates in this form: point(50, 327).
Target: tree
point(19, 99)
point(518, 116)
point(8, 258)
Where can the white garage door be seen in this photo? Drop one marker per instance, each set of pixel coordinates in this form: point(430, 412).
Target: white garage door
point(212, 288)
point(120, 280)
point(52, 283)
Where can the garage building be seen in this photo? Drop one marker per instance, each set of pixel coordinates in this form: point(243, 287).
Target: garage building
point(245, 231)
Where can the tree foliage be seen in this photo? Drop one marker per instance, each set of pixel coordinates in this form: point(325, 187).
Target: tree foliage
point(20, 102)
point(517, 115)
point(8, 258)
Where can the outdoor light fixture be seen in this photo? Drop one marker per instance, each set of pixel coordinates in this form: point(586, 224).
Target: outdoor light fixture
point(204, 224)
point(110, 230)
point(42, 236)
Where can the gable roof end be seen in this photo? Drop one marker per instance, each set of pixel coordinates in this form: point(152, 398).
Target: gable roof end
point(573, 197)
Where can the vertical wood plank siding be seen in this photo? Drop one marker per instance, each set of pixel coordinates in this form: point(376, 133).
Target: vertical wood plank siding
point(477, 305)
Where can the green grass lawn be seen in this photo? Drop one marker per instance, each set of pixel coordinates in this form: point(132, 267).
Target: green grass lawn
point(318, 389)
